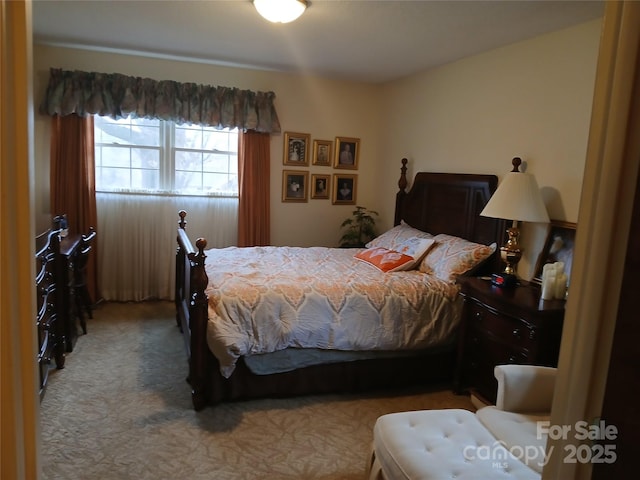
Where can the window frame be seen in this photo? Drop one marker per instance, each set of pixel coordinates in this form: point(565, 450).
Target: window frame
point(167, 150)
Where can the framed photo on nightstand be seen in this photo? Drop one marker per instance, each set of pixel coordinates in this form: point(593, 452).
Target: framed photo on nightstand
point(558, 247)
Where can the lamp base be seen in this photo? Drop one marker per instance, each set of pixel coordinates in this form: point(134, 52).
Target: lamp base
point(506, 280)
point(511, 255)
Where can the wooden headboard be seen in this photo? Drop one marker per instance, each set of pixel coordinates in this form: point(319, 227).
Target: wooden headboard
point(449, 203)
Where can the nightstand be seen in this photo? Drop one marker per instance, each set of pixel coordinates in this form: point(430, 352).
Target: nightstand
point(500, 326)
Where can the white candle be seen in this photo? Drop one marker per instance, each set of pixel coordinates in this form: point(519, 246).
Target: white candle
point(548, 268)
point(548, 286)
point(561, 286)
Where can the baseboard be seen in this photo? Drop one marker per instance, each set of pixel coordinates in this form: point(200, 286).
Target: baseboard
point(478, 402)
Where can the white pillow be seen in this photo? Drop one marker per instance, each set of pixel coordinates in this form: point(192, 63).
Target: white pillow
point(454, 256)
point(393, 239)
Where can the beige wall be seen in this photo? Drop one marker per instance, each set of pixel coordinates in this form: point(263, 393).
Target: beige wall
point(323, 108)
point(531, 99)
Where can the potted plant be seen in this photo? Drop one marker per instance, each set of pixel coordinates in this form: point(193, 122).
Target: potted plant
point(360, 228)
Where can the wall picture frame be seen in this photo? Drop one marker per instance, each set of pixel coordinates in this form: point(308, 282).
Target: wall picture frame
point(295, 185)
point(558, 247)
point(347, 151)
point(320, 186)
point(345, 189)
point(322, 153)
point(296, 149)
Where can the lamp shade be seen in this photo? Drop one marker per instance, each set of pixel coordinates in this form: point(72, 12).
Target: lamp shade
point(280, 11)
point(517, 198)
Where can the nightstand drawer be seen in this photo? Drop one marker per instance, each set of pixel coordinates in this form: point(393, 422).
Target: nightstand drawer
point(501, 326)
point(486, 348)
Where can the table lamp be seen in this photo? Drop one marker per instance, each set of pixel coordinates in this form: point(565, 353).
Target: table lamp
point(518, 199)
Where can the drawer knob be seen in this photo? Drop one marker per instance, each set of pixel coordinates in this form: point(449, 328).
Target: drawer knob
point(516, 333)
point(478, 316)
point(512, 359)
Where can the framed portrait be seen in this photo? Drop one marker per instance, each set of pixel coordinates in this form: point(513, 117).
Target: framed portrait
point(295, 185)
point(558, 247)
point(345, 188)
point(296, 147)
point(347, 152)
point(322, 152)
point(320, 186)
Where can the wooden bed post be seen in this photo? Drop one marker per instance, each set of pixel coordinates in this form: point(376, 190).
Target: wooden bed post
point(179, 280)
point(191, 308)
point(402, 185)
point(198, 318)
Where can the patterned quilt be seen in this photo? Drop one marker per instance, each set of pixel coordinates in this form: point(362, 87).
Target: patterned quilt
point(264, 299)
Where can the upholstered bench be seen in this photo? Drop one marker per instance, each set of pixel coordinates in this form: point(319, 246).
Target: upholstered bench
point(497, 442)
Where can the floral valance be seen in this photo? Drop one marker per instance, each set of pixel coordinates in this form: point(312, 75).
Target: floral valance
point(118, 96)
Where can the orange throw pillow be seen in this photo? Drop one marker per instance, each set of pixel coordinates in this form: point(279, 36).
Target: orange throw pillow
point(386, 260)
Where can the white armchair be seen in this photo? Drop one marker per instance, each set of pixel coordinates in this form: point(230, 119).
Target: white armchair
point(525, 388)
point(525, 395)
point(500, 441)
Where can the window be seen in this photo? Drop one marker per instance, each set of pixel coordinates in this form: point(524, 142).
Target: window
point(142, 155)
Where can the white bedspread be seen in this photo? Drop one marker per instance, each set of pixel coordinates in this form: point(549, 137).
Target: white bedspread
point(263, 299)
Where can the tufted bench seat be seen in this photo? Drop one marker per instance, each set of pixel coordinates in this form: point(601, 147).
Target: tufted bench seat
point(497, 442)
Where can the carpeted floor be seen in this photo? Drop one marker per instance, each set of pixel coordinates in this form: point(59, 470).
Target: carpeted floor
point(121, 409)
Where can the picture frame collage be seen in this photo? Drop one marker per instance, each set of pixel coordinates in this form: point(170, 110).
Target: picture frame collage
point(301, 185)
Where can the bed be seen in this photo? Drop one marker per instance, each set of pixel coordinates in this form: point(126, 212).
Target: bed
point(286, 321)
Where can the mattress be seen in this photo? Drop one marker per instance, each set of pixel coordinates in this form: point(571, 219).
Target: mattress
point(268, 299)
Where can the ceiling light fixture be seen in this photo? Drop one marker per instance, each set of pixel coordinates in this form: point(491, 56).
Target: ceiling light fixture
point(280, 11)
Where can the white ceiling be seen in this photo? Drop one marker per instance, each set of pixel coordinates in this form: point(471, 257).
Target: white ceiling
point(361, 40)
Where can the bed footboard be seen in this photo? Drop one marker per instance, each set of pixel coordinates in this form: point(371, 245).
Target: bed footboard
point(191, 308)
